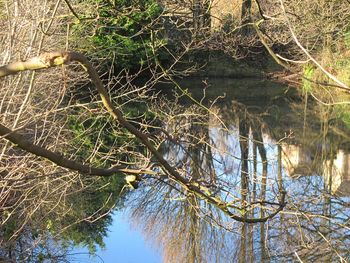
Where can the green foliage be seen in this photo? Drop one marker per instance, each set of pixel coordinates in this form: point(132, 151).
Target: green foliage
point(343, 114)
point(81, 218)
point(9, 228)
point(96, 130)
point(122, 31)
point(99, 134)
point(89, 217)
point(308, 74)
point(347, 39)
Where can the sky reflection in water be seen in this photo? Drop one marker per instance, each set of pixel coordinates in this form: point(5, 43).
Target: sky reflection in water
point(123, 244)
point(313, 169)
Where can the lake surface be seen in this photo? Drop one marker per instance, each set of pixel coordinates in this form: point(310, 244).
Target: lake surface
point(123, 243)
point(250, 143)
point(289, 144)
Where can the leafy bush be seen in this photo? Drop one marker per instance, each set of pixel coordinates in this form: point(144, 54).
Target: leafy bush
point(121, 32)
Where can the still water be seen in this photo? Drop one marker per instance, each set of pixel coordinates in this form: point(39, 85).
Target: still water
point(123, 243)
point(250, 143)
point(288, 143)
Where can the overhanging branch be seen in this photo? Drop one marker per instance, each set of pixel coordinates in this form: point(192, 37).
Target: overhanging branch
point(62, 161)
point(52, 59)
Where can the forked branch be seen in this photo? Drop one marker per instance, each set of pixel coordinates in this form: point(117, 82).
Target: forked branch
point(52, 59)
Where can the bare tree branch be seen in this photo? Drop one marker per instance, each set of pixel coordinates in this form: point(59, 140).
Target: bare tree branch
point(56, 58)
point(60, 160)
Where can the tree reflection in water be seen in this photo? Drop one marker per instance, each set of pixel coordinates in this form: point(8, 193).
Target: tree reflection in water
point(248, 159)
point(246, 154)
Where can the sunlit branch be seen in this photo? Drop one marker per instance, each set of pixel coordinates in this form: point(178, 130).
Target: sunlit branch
point(329, 75)
point(281, 61)
point(57, 58)
point(60, 160)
